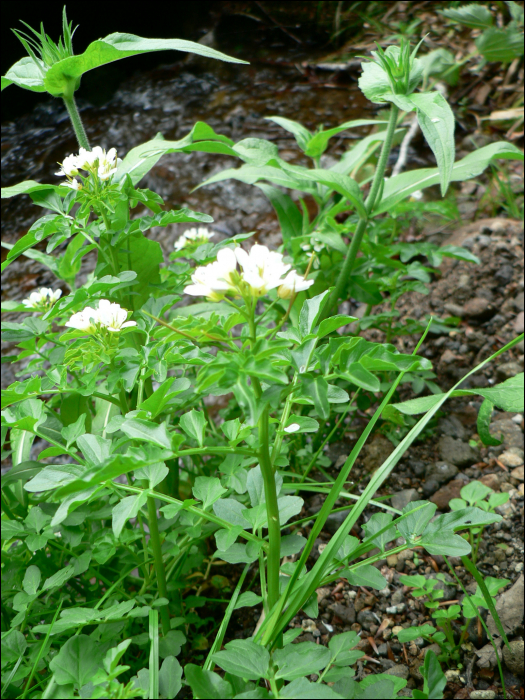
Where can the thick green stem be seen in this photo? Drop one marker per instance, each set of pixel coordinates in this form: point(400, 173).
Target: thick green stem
point(357, 239)
point(159, 562)
point(76, 121)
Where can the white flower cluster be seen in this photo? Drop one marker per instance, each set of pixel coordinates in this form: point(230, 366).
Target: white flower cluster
point(193, 237)
point(97, 162)
point(314, 246)
point(108, 316)
point(43, 299)
point(262, 270)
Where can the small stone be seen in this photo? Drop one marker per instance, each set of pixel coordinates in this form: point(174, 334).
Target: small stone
point(512, 433)
point(517, 473)
point(479, 308)
point(452, 426)
point(490, 480)
point(509, 607)
point(454, 309)
point(399, 671)
point(417, 467)
point(404, 555)
point(483, 694)
point(508, 370)
point(391, 560)
point(519, 323)
point(377, 452)
point(396, 609)
point(499, 555)
point(366, 618)
point(442, 472)
point(513, 657)
point(430, 487)
point(396, 629)
point(335, 520)
point(512, 458)
point(457, 452)
point(345, 612)
point(397, 597)
point(402, 498)
point(322, 593)
point(446, 493)
point(382, 650)
point(453, 675)
point(487, 656)
point(506, 487)
point(432, 647)
point(309, 625)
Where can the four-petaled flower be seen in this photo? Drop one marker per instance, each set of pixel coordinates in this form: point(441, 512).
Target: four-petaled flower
point(96, 162)
point(193, 237)
point(108, 316)
point(43, 299)
point(261, 271)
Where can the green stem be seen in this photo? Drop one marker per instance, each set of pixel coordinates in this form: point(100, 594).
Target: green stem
point(159, 562)
point(76, 121)
point(357, 239)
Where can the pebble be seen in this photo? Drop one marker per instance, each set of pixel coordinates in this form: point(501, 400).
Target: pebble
point(512, 433)
point(399, 670)
point(453, 675)
point(391, 560)
point(457, 452)
point(454, 309)
point(396, 629)
point(512, 458)
point(442, 472)
point(483, 694)
point(309, 625)
point(402, 498)
point(509, 607)
point(519, 323)
point(479, 308)
point(508, 370)
point(366, 618)
point(395, 609)
point(517, 473)
point(513, 657)
point(345, 612)
point(490, 480)
point(446, 493)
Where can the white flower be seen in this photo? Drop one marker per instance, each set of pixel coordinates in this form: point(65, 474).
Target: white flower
point(42, 299)
point(292, 428)
point(262, 269)
point(84, 320)
point(112, 316)
point(108, 316)
point(69, 167)
point(74, 184)
point(193, 236)
point(292, 284)
point(216, 279)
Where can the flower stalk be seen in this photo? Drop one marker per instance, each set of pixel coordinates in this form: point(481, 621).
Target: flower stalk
point(76, 121)
point(158, 560)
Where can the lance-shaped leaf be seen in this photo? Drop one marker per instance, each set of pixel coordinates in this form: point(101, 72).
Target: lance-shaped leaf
point(342, 184)
point(57, 80)
point(194, 425)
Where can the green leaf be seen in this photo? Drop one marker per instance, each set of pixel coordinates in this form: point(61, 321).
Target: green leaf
point(154, 473)
point(475, 491)
point(31, 580)
point(365, 575)
point(21, 472)
point(500, 44)
point(77, 661)
point(207, 684)
point(194, 425)
point(329, 325)
point(486, 595)
point(301, 133)
point(171, 643)
point(317, 389)
point(113, 47)
point(302, 688)
point(13, 646)
point(170, 677)
point(144, 257)
point(445, 543)
point(297, 660)
point(55, 475)
point(208, 489)
point(378, 522)
point(341, 647)
point(361, 377)
point(125, 509)
point(411, 633)
point(245, 659)
point(436, 120)
point(248, 600)
point(461, 518)
point(435, 680)
point(58, 579)
point(401, 186)
point(289, 216)
point(26, 73)
point(310, 312)
point(94, 448)
point(419, 515)
point(301, 424)
point(318, 143)
point(484, 416)
point(140, 429)
point(474, 15)
point(342, 184)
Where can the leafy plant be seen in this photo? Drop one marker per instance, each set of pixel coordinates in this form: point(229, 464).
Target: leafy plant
point(127, 488)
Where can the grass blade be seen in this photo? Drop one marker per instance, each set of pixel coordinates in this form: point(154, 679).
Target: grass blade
point(154, 655)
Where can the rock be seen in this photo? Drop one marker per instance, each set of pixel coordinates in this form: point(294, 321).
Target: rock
point(430, 487)
point(479, 309)
point(432, 647)
point(517, 473)
point(483, 694)
point(442, 472)
point(377, 452)
point(334, 521)
point(509, 607)
point(490, 480)
point(382, 649)
point(446, 493)
point(453, 675)
point(366, 618)
point(504, 274)
point(345, 612)
point(512, 433)
point(457, 452)
point(513, 657)
point(402, 498)
point(308, 625)
point(396, 629)
point(452, 426)
point(512, 458)
point(396, 609)
point(417, 467)
point(399, 671)
point(508, 370)
point(454, 309)
point(519, 300)
point(487, 656)
point(397, 597)
point(519, 323)
point(391, 560)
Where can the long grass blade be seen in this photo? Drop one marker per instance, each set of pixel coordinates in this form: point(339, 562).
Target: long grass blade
point(42, 647)
point(154, 655)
